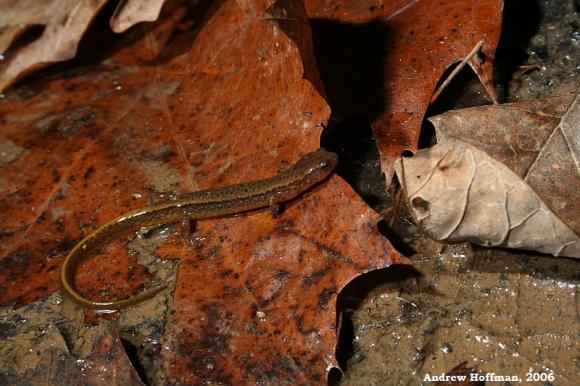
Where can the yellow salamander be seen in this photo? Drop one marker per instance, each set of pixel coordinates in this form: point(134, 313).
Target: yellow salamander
point(269, 192)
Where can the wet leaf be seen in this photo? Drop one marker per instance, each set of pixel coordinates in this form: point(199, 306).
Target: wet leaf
point(277, 304)
point(106, 362)
point(458, 192)
point(223, 103)
point(410, 45)
point(43, 358)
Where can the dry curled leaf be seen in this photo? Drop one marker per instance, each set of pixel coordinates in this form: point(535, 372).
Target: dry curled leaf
point(130, 12)
point(65, 23)
point(539, 140)
point(458, 193)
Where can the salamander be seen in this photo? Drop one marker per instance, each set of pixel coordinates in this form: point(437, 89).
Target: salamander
point(270, 192)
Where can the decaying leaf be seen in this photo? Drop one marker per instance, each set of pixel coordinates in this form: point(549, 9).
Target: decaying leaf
point(130, 12)
point(42, 358)
point(105, 358)
point(64, 23)
point(396, 53)
point(255, 295)
point(539, 140)
point(458, 192)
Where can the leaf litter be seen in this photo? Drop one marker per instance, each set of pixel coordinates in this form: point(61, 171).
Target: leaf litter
point(458, 192)
point(174, 249)
point(63, 23)
point(421, 40)
point(224, 111)
point(503, 311)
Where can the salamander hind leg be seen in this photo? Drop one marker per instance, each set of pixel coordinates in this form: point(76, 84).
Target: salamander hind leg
point(275, 207)
point(186, 227)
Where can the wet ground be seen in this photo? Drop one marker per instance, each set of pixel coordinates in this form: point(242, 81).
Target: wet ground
point(504, 312)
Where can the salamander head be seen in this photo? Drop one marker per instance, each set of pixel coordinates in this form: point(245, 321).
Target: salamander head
point(315, 166)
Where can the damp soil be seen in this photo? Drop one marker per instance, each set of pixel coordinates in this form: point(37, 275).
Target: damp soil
point(509, 313)
point(501, 312)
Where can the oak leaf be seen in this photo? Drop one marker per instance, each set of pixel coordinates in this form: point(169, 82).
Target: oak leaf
point(225, 102)
point(384, 59)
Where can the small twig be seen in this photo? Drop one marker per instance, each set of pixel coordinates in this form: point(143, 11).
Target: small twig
point(525, 68)
point(473, 52)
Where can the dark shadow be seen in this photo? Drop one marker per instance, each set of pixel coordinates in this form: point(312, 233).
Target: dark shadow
point(465, 90)
point(25, 37)
point(352, 139)
point(395, 237)
point(515, 39)
point(100, 41)
point(427, 137)
point(458, 93)
point(350, 58)
point(521, 262)
point(334, 377)
point(132, 354)
point(182, 38)
point(351, 297)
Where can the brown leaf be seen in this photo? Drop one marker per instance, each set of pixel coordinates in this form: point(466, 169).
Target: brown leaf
point(458, 192)
point(538, 140)
point(410, 45)
point(273, 310)
point(224, 103)
point(106, 363)
point(43, 359)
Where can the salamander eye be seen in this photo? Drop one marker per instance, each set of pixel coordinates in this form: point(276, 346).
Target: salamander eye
point(324, 164)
